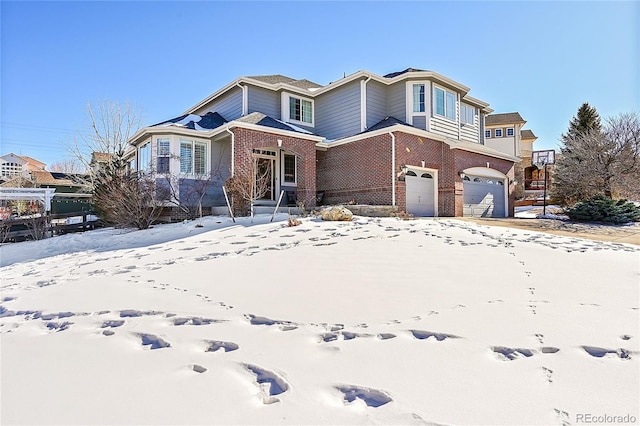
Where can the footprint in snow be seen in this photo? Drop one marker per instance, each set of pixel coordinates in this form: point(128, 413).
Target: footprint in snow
point(371, 397)
point(270, 383)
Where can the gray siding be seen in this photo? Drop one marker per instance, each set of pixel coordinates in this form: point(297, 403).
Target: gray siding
point(376, 102)
point(264, 101)
point(229, 106)
point(397, 103)
point(337, 113)
point(420, 121)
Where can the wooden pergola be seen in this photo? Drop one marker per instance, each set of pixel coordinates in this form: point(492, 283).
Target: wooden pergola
point(31, 194)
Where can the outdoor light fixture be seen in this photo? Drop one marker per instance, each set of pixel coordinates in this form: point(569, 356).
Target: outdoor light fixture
point(404, 169)
point(462, 175)
point(279, 143)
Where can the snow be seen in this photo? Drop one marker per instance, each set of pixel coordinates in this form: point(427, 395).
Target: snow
point(378, 320)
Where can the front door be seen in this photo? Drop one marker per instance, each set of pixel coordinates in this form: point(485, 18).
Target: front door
point(264, 179)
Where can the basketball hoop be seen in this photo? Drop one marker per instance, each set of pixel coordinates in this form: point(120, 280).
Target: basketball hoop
point(541, 159)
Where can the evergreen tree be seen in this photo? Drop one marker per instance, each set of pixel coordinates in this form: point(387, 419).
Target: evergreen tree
point(586, 119)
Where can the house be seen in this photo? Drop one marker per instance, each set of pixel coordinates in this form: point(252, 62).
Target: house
point(505, 133)
point(413, 140)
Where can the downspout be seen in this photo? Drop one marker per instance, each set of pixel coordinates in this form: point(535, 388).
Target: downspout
point(363, 101)
point(393, 169)
point(233, 151)
point(245, 98)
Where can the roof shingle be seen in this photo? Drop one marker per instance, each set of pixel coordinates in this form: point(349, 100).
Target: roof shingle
point(504, 118)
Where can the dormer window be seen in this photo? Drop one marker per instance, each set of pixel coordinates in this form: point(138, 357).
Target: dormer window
point(300, 109)
point(445, 103)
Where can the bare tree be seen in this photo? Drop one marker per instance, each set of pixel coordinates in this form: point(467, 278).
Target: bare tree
point(186, 193)
point(68, 165)
point(600, 161)
point(108, 127)
point(248, 186)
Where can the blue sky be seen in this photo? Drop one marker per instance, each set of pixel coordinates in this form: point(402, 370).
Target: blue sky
point(542, 59)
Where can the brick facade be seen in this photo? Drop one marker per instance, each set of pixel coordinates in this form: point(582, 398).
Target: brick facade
point(360, 171)
point(246, 140)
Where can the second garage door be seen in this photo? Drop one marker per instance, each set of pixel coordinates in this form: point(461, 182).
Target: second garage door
point(483, 197)
point(420, 193)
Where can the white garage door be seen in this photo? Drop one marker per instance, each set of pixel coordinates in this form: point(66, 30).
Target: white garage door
point(420, 193)
point(483, 197)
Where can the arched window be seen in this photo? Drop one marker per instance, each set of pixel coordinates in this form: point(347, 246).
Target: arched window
point(426, 176)
point(411, 173)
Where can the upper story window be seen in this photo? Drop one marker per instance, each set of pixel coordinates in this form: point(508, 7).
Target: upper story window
point(510, 131)
point(301, 110)
point(487, 133)
point(163, 153)
point(445, 103)
point(418, 98)
point(467, 114)
point(193, 157)
point(498, 133)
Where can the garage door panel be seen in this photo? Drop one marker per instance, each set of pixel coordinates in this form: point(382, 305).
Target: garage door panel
point(420, 195)
point(483, 199)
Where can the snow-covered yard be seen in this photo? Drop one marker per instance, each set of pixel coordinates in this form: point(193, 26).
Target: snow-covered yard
point(372, 321)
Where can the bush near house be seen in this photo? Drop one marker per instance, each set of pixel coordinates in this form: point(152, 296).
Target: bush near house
point(604, 209)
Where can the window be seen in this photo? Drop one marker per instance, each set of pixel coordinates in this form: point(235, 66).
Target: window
point(467, 114)
point(487, 133)
point(163, 155)
point(193, 157)
point(418, 98)
point(289, 168)
point(445, 103)
point(300, 110)
point(144, 157)
point(498, 133)
point(510, 131)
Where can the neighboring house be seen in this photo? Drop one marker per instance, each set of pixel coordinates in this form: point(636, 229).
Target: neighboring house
point(413, 140)
point(12, 165)
point(72, 194)
point(505, 133)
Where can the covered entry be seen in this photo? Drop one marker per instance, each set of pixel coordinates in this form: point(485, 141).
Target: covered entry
point(421, 191)
point(485, 193)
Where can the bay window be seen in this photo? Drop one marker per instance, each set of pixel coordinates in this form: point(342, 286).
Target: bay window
point(300, 110)
point(144, 157)
point(467, 114)
point(445, 103)
point(162, 155)
point(193, 157)
point(418, 98)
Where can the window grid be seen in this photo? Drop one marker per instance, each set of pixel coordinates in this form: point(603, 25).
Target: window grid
point(418, 98)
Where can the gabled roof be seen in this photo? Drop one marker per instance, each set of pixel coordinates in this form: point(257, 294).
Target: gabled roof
point(387, 122)
point(527, 134)
point(33, 162)
point(100, 157)
point(18, 182)
point(261, 119)
point(504, 118)
point(43, 177)
point(397, 73)
point(279, 78)
point(209, 121)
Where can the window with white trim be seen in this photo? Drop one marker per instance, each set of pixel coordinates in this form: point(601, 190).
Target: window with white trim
point(467, 114)
point(487, 133)
point(289, 174)
point(144, 157)
point(193, 157)
point(445, 103)
point(498, 133)
point(510, 131)
point(163, 153)
point(418, 98)
point(300, 110)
